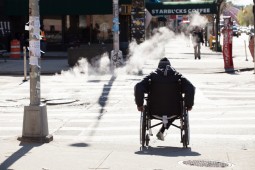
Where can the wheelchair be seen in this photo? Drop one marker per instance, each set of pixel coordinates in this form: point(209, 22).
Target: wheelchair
point(174, 94)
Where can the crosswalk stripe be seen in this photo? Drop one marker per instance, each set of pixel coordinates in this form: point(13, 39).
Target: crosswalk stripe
point(127, 128)
point(136, 120)
point(124, 137)
point(75, 123)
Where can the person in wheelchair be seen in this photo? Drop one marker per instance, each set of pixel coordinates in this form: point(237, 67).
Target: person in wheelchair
point(163, 97)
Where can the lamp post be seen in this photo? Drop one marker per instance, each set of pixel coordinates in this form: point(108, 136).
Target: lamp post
point(35, 123)
point(116, 54)
point(246, 59)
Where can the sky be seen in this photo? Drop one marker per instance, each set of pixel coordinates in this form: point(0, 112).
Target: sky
point(237, 2)
point(242, 2)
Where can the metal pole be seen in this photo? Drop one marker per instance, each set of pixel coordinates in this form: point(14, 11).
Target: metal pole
point(245, 51)
point(34, 41)
point(35, 122)
point(116, 54)
point(116, 24)
point(25, 63)
point(176, 24)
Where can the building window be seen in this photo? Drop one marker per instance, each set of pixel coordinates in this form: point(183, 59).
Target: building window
point(53, 28)
point(89, 28)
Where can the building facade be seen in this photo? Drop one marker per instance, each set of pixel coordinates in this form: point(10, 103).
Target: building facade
point(70, 23)
point(66, 23)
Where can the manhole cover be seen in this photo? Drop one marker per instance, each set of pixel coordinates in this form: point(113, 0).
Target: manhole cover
point(203, 163)
point(59, 101)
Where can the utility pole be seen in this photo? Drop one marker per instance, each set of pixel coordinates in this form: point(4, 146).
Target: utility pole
point(116, 54)
point(218, 3)
point(35, 121)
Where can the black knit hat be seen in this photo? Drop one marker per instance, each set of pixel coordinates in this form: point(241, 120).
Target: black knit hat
point(163, 63)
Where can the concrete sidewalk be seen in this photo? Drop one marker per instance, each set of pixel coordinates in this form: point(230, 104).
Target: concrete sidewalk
point(49, 66)
point(51, 63)
point(212, 63)
point(81, 153)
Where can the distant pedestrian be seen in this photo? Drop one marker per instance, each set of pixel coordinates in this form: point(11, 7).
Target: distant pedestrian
point(197, 39)
point(42, 39)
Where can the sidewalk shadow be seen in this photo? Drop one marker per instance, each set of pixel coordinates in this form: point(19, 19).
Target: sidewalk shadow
point(26, 147)
point(81, 145)
point(102, 101)
point(104, 95)
point(167, 151)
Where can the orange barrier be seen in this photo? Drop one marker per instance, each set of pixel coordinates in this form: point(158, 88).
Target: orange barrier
point(15, 49)
point(212, 40)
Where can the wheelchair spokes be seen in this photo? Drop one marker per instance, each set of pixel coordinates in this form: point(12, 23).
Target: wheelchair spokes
point(185, 132)
point(142, 128)
point(146, 132)
point(144, 123)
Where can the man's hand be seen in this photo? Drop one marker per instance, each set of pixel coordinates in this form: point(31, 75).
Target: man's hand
point(189, 108)
point(140, 108)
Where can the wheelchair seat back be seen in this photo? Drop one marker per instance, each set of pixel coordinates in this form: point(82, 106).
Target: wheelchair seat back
point(165, 98)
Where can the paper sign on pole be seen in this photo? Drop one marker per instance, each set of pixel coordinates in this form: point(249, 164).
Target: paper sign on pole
point(34, 48)
point(33, 61)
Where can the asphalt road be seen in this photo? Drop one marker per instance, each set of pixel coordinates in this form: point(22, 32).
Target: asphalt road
point(95, 124)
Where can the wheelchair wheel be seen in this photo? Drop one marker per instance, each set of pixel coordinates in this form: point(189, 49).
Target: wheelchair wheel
point(147, 139)
point(185, 130)
point(142, 128)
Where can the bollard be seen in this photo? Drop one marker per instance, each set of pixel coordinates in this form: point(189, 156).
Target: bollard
point(25, 63)
point(245, 51)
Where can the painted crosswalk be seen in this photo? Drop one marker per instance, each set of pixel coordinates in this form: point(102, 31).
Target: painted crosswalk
point(110, 114)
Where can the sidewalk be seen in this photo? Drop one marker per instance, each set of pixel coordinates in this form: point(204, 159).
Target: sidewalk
point(55, 62)
point(51, 63)
point(81, 153)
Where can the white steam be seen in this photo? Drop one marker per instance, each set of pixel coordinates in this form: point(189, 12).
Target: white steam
point(152, 48)
point(198, 20)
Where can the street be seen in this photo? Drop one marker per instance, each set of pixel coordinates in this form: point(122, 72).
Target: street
point(95, 124)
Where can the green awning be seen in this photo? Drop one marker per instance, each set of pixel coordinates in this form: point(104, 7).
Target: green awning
point(181, 8)
point(75, 7)
point(16, 7)
point(92, 7)
point(62, 7)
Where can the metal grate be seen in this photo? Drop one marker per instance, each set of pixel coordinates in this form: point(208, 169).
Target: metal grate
point(203, 163)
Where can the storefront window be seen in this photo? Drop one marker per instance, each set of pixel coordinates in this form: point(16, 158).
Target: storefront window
point(53, 28)
point(103, 25)
point(4, 28)
point(78, 29)
point(89, 28)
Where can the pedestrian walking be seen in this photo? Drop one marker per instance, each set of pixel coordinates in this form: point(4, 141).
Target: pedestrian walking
point(43, 39)
point(197, 39)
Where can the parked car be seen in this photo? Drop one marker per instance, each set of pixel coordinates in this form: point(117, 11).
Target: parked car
point(243, 30)
point(251, 31)
point(251, 34)
point(235, 31)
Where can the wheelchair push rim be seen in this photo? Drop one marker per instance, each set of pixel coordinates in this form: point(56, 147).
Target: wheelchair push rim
point(185, 131)
point(142, 129)
point(144, 124)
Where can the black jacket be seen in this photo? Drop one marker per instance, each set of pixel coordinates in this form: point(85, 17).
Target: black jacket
point(161, 78)
point(198, 37)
